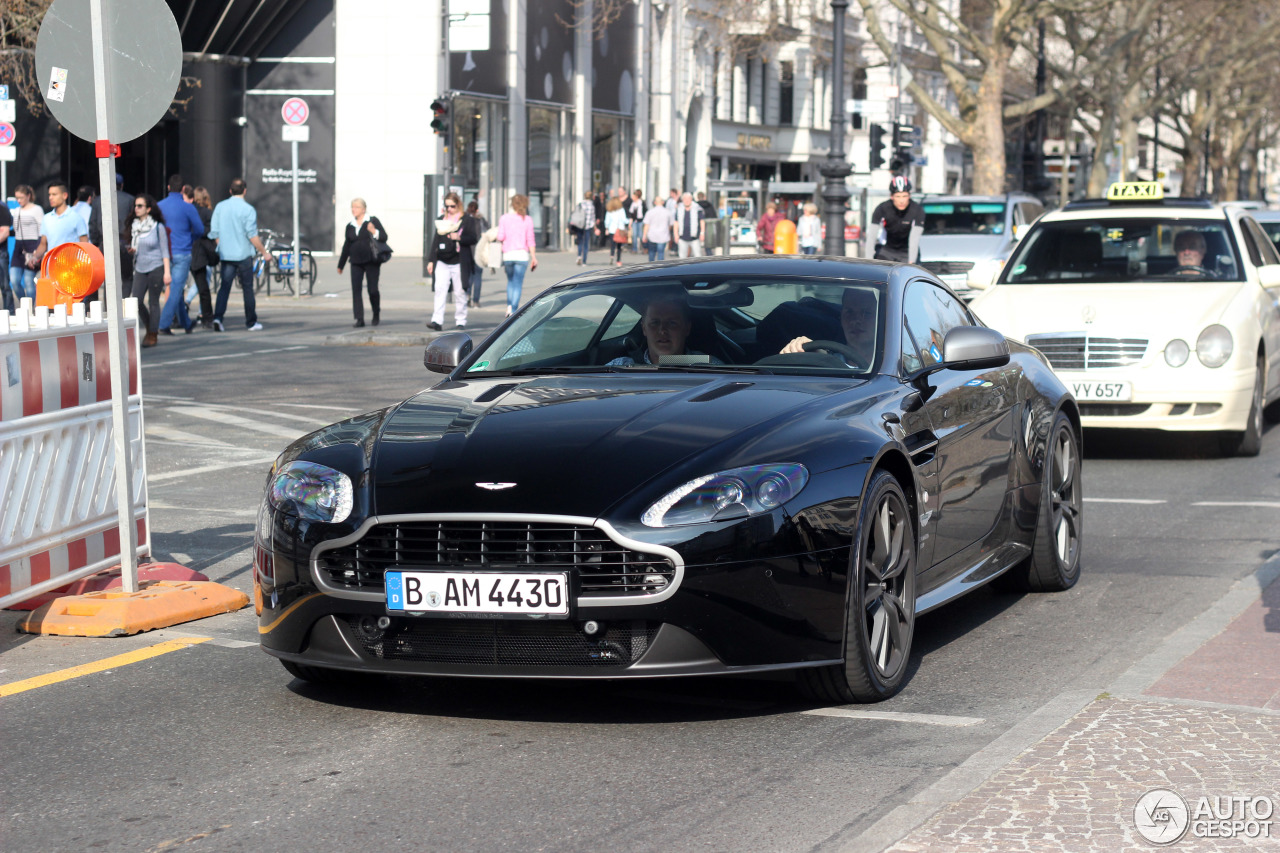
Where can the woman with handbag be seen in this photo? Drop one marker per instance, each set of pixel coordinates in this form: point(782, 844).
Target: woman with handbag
point(25, 263)
point(616, 226)
point(473, 227)
point(515, 233)
point(360, 246)
point(149, 245)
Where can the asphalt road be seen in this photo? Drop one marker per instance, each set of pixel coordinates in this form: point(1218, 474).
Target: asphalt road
point(215, 747)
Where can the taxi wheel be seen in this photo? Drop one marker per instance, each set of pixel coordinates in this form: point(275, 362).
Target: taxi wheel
point(1249, 442)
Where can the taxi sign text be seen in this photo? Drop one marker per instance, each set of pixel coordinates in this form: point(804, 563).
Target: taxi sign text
point(1135, 191)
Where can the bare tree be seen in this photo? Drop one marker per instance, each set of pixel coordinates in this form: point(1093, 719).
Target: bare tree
point(975, 42)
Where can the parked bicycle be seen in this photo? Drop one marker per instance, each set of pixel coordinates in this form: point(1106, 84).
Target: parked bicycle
point(280, 267)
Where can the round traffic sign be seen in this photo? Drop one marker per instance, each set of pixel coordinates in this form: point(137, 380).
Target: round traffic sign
point(7, 133)
point(295, 111)
point(144, 64)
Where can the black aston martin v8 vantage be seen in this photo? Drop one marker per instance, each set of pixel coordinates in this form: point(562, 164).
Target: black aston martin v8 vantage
point(723, 465)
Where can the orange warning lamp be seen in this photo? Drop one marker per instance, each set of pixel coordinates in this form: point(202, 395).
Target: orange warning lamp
point(69, 273)
point(785, 240)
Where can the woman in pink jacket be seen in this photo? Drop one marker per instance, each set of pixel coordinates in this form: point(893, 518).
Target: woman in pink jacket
point(515, 233)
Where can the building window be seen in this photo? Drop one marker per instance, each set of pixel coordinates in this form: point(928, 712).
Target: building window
point(859, 93)
point(786, 92)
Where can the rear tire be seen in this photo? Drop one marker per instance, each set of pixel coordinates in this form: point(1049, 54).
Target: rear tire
point(1249, 442)
point(881, 604)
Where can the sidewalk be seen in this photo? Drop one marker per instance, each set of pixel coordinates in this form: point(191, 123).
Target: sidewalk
point(1198, 725)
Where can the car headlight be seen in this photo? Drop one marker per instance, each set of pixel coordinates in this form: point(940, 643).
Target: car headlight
point(312, 491)
point(1213, 347)
point(1176, 352)
point(729, 494)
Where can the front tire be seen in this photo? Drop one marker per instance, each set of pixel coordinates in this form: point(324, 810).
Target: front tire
point(1249, 442)
point(881, 605)
point(1054, 564)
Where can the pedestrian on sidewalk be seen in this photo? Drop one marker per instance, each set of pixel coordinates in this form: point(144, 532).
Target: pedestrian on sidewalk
point(582, 226)
point(444, 263)
point(657, 231)
point(27, 220)
point(204, 254)
point(809, 229)
point(185, 227)
point(691, 228)
point(235, 228)
point(357, 247)
point(473, 227)
point(149, 246)
point(616, 227)
point(515, 233)
point(766, 226)
point(636, 211)
point(6, 225)
point(598, 202)
point(84, 203)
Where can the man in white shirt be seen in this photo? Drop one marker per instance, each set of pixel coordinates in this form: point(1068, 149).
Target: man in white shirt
point(691, 228)
point(657, 232)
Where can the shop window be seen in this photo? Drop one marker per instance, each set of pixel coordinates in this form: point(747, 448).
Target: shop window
point(786, 92)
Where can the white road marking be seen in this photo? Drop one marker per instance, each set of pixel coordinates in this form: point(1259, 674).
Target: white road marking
point(168, 433)
point(224, 355)
point(346, 409)
point(152, 503)
point(270, 413)
point(227, 419)
point(898, 717)
point(1123, 501)
point(207, 469)
point(1266, 504)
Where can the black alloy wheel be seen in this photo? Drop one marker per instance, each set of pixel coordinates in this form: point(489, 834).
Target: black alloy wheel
point(1054, 564)
point(881, 604)
point(1249, 442)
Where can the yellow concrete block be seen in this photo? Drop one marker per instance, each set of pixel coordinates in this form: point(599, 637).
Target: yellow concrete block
point(112, 613)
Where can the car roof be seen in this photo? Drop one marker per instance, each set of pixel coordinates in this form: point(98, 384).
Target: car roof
point(812, 266)
point(1136, 211)
point(1264, 215)
point(930, 197)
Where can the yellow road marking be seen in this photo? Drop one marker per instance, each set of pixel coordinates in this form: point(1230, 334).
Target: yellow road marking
point(100, 666)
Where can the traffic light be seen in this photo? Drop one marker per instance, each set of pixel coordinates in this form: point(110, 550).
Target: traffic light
point(877, 147)
point(902, 139)
point(440, 119)
point(902, 145)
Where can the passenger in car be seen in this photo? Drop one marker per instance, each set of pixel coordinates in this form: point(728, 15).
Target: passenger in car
point(666, 325)
point(857, 320)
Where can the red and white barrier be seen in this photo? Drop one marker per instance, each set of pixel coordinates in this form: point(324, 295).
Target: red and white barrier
point(58, 519)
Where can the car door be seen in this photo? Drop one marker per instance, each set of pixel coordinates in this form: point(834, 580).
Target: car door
point(971, 413)
point(1263, 252)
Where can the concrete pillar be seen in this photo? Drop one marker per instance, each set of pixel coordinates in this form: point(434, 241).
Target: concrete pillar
point(738, 95)
point(640, 163)
point(755, 107)
point(517, 111)
point(582, 133)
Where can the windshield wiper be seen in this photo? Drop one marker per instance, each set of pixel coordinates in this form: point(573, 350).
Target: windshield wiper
point(710, 368)
point(531, 371)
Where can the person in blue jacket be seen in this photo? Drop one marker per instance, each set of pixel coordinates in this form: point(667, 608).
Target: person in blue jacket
point(185, 228)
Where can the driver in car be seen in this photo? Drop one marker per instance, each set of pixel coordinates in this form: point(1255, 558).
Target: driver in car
point(857, 319)
point(666, 325)
point(1189, 247)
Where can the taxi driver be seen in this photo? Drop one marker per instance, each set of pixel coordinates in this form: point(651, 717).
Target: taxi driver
point(857, 320)
point(1189, 248)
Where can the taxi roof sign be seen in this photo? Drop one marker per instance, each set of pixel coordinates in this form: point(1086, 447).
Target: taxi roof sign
point(1135, 191)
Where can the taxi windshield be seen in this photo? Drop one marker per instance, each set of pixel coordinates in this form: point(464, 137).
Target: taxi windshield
point(1123, 250)
point(963, 217)
point(691, 324)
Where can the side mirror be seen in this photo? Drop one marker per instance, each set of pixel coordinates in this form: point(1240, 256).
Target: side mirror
point(1017, 232)
point(1269, 275)
point(446, 352)
point(983, 274)
point(974, 348)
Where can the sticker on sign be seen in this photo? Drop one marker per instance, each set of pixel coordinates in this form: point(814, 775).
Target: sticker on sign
point(57, 84)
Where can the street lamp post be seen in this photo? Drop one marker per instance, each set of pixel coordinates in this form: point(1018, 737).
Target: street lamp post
point(834, 191)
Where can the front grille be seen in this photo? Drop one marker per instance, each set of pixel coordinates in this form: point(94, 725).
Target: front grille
point(603, 566)
point(947, 267)
point(1081, 352)
point(1113, 410)
point(505, 643)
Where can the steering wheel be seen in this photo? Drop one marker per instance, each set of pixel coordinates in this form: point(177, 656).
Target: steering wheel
point(1193, 269)
point(850, 354)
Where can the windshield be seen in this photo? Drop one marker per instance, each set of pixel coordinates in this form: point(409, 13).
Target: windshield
point(1272, 230)
point(1121, 250)
point(963, 217)
point(694, 324)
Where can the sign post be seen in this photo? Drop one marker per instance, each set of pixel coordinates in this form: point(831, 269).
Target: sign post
point(128, 40)
point(295, 113)
point(7, 152)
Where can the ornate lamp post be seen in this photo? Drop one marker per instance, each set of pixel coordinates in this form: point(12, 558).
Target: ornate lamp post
point(834, 192)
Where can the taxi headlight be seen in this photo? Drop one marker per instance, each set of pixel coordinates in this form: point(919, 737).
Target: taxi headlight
point(729, 494)
point(1213, 347)
point(312, 491)
point(1176, 352)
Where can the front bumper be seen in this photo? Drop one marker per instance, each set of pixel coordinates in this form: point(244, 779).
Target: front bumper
point(1185, 399)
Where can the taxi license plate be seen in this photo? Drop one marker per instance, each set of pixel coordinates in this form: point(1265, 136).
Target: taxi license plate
point(486, 593)
point(1114, 392)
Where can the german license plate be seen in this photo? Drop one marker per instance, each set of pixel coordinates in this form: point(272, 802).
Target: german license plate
point(1114, 392)
point(488, 593)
